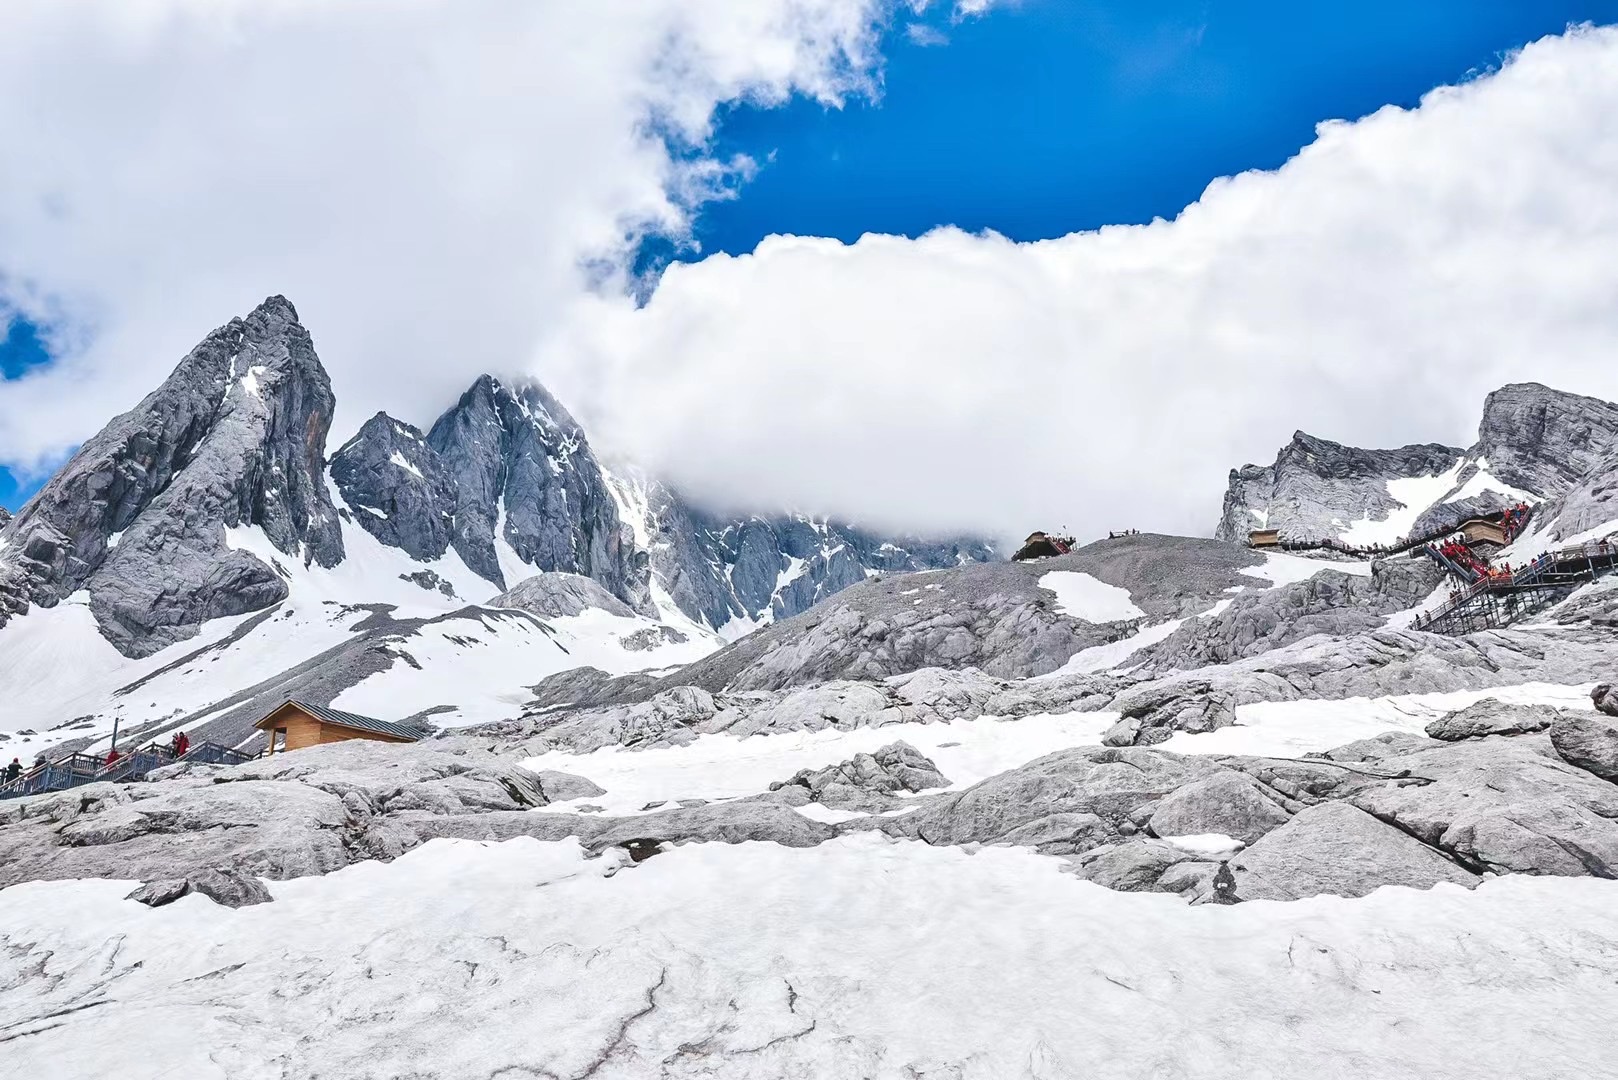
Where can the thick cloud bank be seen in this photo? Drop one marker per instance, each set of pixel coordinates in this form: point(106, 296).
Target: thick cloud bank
point(1371, 291)
point(430, 181)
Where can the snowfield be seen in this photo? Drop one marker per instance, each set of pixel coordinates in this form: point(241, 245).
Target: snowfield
point(1082, 596)
point(725, 767)
point(864, 956)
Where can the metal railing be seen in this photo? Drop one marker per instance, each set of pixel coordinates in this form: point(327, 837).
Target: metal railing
point(1504, 596)
point(75, 770)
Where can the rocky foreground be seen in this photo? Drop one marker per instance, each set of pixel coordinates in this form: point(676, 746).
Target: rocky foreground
point(1493, 789)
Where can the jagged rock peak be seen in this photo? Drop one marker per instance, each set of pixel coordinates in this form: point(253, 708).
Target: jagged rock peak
point(396, 487)
point(530, 493)
point(234, 436)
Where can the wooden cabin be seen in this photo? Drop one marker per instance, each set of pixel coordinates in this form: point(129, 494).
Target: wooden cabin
point(1262, 538)
point(1484, 531)
point(294, 725)
point(1040, 546)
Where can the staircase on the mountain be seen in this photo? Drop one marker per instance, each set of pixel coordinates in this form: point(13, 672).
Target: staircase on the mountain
point(1492, 598)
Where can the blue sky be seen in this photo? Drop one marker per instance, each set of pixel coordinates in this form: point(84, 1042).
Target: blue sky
point(1051, 116)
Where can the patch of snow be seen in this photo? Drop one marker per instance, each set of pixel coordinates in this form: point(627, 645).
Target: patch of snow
point(1291, 729)
point(112, 541)
point(1208, 845)
point(1081, 596)
point(1414, 494)
point(829, 814)
point(1281, 568)
point(862, 956)
point(1483, 481)
point(725, 767)
point(399, 459)
point(1113, 653)
point(513, 567)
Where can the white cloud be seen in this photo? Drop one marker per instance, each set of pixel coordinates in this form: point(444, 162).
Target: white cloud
point(1371, 291)
point(421, 177)
point(926, 36)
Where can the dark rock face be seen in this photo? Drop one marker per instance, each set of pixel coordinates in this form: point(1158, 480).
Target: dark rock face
point(717, 569)
point(523, 472)
point(397, 487)
point(1315, 482)
point(235, 436)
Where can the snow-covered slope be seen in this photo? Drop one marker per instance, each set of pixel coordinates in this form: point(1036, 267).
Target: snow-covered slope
point(197, 560)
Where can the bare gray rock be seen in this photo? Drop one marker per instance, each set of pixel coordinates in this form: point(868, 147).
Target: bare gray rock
point(1063, 803)
point(235, 436)
point(521, 464)
point(1491, 716)
point(224, 887)
point(1588, 741)
point(867, 782)
point(1339, 850)
point(1507, 805)
point(1605, 698)
point(397, 487)
point(1316, 487)
point(1229, 804)
point(558, 595)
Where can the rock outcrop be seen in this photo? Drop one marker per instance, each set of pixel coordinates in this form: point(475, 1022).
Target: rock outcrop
point(397, 487)
point(867, 782)
point(1533, 443)
point(558, 595)
point(1317, 487)
point(1492, 717)
point(236, 436)
point(526, 479)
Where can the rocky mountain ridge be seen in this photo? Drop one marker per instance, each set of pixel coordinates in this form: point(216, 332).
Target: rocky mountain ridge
point(505, 483)
point(1534, 444)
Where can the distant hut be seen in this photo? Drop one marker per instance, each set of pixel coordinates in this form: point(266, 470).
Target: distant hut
point(294, 725)
point(1264, 538)
point(1040, 546)
point(1484, 531)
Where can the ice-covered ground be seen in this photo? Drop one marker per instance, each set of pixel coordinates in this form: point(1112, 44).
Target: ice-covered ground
point(1295, 728)
point(1081, 596)
point(725, 767)
point(862, 957)
point(722, 766)
point(1281, 568)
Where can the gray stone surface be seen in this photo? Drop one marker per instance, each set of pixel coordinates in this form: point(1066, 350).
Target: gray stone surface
point(1230, 804)
point(1507, 805)
point(397, 487)
point(235, 436)
point(1330, 602)
point(867, 782)
point(1539, 440)
point(1338, 850)
point(1316, 487)
point(521, 464)
point(1605, 698)
point(558, 595)
point(1589, 741)
point(1492, 716)
point(224, 887)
